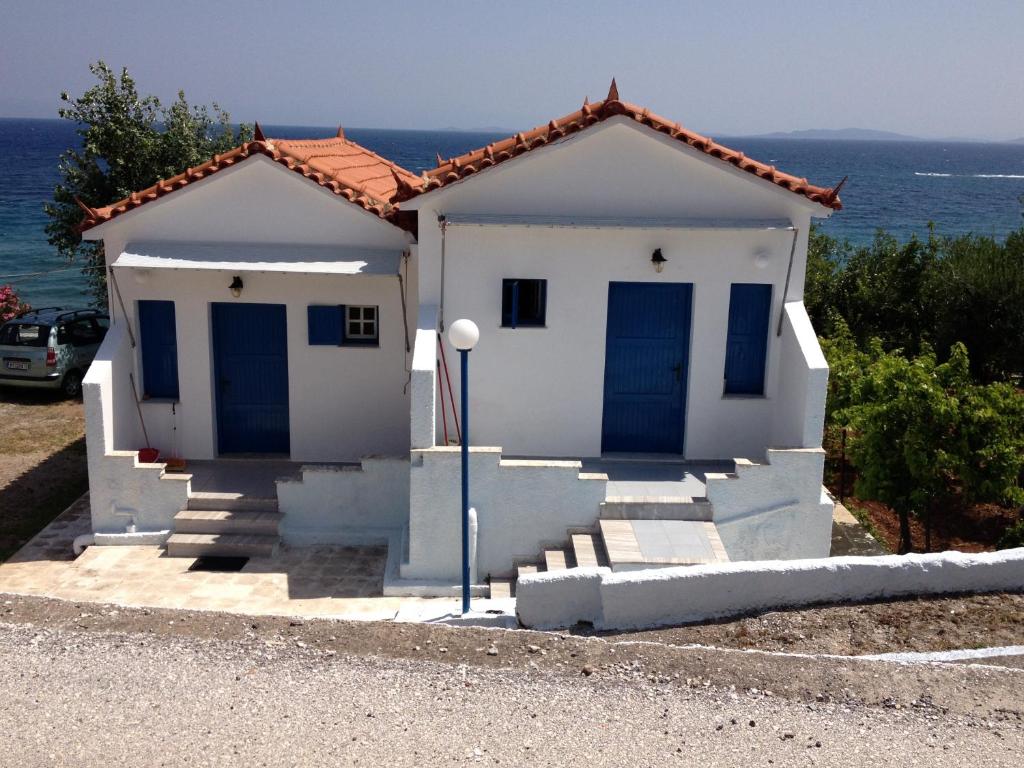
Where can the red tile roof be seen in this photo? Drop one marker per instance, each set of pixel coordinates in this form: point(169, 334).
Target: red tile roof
point(340, 165)
point(460, 167)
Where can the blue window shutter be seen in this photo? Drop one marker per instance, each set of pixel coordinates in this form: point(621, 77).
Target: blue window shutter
point(326, 325)
point(159, 340)
point(746, 347)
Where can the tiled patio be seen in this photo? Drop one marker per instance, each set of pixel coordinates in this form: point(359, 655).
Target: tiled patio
point(339, 582)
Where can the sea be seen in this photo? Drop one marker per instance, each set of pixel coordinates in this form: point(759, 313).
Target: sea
point(897, 186)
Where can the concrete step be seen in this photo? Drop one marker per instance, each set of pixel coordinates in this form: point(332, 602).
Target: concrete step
point(223, 545)
point(217, 502)
point(526, 569)
point(229, 521)
point(588, 550)
point(501, 588)
point(556, 560)
point(656, 508)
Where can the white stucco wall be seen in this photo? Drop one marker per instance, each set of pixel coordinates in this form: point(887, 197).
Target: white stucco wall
point(773, 510)
point(344, 402)
point(122, 491)
point(667, 596)
point(423, 381)
point(799, 417)
point(539, 391)
point(519, 505)
point(354, 504)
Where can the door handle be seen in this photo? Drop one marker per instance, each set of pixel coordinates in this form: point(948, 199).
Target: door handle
point(677, 369)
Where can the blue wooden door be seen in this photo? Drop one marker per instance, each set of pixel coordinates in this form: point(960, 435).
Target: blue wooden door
point(647, 359)
point(250, 349)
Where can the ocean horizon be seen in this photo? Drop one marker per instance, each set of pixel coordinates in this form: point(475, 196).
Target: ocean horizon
point(898, 186)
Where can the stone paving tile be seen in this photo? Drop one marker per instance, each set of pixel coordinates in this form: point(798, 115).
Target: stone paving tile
point(323, 581)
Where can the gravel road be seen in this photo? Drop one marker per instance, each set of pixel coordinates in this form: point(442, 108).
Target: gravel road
point(104, 697)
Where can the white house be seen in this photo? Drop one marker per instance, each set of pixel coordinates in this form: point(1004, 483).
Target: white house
point(647, 389)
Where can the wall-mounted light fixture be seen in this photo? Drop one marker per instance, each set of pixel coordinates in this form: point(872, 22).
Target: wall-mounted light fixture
point(236, 286)
point(658, 260)
point(761, 257)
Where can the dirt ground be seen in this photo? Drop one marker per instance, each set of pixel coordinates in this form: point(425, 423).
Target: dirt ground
point(976, 528)
point(916, 625)
point(42, 462)
point(975, 691)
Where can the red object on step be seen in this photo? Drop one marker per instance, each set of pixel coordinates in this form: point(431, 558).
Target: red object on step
point(148, 455)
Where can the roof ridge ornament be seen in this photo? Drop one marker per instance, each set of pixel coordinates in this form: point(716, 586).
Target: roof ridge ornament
point(613, 92)
point(440, 160)
point(88, 211)
point(341, 133)
point(257, 132)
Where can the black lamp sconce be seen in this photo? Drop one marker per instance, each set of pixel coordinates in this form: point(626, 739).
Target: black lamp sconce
point(658, 260)
point(236, 286)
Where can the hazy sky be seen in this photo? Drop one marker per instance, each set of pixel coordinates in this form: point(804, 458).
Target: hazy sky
point(933, 68)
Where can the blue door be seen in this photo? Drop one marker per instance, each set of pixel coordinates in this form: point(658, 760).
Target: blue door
point(647, 359)
point(250, 353)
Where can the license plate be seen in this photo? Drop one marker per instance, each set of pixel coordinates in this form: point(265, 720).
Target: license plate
point(17, 365)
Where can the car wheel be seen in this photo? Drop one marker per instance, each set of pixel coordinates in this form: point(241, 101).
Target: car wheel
point(72, 384)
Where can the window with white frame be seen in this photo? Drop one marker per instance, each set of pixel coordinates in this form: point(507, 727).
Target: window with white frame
point(361, 325)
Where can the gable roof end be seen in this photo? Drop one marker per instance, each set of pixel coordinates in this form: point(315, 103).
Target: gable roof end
point(460, 167)
point(337, 164)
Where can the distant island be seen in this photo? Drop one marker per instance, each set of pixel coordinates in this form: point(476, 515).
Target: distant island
point(840, 134)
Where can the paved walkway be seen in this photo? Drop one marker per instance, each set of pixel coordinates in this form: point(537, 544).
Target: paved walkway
point(849, 537)
point(326, 581)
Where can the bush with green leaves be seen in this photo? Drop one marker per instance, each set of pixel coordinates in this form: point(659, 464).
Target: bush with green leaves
point(128, 142)
point(935, 291)
point(923, 433)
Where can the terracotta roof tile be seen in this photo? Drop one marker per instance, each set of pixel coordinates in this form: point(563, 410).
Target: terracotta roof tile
point(460, 167)
point(340, 165)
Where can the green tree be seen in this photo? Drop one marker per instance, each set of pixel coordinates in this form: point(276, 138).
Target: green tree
point(826, 259)
point(128, 142)
point(879, 291)
point(977, 291)
point(924, 434)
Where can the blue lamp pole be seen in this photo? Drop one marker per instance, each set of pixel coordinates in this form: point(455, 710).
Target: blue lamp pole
point(463, 335)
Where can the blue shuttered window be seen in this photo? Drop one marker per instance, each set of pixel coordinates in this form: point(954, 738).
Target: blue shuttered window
point(159, 341)
point(746, 347)
point(326, 325)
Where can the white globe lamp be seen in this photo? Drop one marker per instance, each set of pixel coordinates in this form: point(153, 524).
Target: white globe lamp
point(463, 335)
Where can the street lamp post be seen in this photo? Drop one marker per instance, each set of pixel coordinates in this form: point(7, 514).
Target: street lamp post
point(463, 335)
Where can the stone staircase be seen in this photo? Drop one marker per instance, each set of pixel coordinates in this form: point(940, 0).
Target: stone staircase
point(632, 533)
point(226, 525)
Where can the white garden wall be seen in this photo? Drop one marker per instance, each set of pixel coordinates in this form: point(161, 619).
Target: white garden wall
point(519, 504)
point(349, 504)
point(773, 510)
point(121, 490)
point(669, 596)
point(799, 417)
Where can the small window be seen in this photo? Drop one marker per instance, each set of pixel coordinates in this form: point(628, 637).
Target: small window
point(361, 325)
point(523, 303)
point(24, 335)
point(343, 325)
point(746, 346)
point(158, 338)
point(83, 333)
